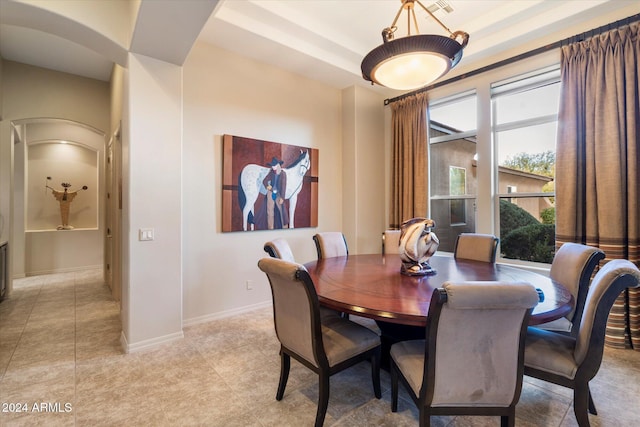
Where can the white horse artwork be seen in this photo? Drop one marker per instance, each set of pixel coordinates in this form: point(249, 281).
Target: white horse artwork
point(250, 181)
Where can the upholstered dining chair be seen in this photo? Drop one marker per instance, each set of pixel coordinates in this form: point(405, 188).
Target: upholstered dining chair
point(330, 244)
point(573, 361)
point(572, 267)
point(324, 345)
point(279, 248)
point(476, 247)
point(390, 241)
point(471, 362)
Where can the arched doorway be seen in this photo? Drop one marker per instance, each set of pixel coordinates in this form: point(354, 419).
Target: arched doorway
point(50, 156)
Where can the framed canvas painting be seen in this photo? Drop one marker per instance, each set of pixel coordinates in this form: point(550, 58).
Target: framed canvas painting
point(267, 185)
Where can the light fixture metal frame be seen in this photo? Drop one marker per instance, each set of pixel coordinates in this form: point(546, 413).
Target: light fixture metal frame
point(448, 48)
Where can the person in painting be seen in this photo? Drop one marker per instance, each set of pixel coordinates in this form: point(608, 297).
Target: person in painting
point(272, 214)
point(64, 197)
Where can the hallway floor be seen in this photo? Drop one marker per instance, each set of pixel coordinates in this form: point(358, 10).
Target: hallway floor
point(61, 364)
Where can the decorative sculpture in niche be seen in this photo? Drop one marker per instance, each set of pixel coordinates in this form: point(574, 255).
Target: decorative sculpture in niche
point(65, 197)
point(417, 244)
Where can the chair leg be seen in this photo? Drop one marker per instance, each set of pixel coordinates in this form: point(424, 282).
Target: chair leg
point(285, 364)
point(393, 371)
point(581, 397)
point(323, 398)
point(592, 406)
point(375, 373)
point(425, 417)
point(508, 420)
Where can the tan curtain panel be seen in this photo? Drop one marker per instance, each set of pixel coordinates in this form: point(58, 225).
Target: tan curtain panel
point(598, 159)
point(409, 170)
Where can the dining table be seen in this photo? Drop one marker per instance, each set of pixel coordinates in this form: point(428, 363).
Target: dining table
point(372, 286)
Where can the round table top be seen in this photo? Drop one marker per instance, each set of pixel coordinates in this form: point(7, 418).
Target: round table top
point(372, 286)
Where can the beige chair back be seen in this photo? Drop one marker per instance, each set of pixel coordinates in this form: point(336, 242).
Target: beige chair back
point(295, 307)
point(572, 267)
point(608, 283)
point(326, 345)
point(476, 247)
point(573, 361)
point(476, 338)
point(330, 244)
point(391, 241)
point(279, 248)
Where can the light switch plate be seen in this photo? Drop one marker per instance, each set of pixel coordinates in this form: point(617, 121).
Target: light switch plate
point(145, 234)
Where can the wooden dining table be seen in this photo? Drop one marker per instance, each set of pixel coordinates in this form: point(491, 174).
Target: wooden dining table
point(372, 286)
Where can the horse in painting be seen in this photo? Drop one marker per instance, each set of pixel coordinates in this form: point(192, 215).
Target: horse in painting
point(250, 185)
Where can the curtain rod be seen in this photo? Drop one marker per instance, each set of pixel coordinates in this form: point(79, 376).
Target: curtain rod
point(537, 51)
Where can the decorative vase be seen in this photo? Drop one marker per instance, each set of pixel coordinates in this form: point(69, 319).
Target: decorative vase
point(417, 244)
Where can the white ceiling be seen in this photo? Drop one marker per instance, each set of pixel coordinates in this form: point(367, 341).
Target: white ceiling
point(327, 39)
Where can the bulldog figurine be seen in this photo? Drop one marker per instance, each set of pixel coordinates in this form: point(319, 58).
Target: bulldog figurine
point(417, 244)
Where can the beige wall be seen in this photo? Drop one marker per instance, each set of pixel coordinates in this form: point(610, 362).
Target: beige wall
point(35, 92)
point(152, 176)
point(114, 259)
point(363, 169)
point(228, 94)
point(116, 94)
point(32, 93)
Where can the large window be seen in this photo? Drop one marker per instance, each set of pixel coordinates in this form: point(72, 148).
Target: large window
point(452, 151)
point(525, 118)
point(492, 162)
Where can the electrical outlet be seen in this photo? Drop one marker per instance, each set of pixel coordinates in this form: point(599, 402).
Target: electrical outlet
point(249, 285)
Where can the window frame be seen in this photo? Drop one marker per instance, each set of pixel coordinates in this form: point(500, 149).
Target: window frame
point(464, 219)
point(540, 78)
point(487, 199)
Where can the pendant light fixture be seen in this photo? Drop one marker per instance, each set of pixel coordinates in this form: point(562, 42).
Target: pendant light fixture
point(413, 61)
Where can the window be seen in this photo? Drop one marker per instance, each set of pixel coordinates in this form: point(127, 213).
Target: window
point(525, 118)
point(496, 132)
point(457, 187)
point(452, 150)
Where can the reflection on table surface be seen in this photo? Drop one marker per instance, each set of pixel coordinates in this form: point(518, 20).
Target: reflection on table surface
point(372, 286)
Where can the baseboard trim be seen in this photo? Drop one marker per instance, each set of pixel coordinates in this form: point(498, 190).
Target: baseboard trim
point(60, 270)
point(224, 314)
point(150, 343)
point(155, 342)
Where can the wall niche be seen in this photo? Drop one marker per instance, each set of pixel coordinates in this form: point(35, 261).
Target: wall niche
point(54, 167)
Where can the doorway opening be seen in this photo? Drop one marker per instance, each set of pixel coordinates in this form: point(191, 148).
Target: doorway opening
point(63, 184)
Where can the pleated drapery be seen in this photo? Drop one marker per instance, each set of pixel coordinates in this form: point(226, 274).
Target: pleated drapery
point(598, 159)
point(409, 170)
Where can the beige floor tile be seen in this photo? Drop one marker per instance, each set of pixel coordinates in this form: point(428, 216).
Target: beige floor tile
point(46, 417)
point(46, 373)
point(50, 401)
point(295, 409)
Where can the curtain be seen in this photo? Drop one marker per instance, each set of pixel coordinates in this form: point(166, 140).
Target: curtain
point(598, 160)
point(409, 169)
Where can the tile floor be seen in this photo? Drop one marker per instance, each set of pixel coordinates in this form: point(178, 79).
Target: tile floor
point(60, 355)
